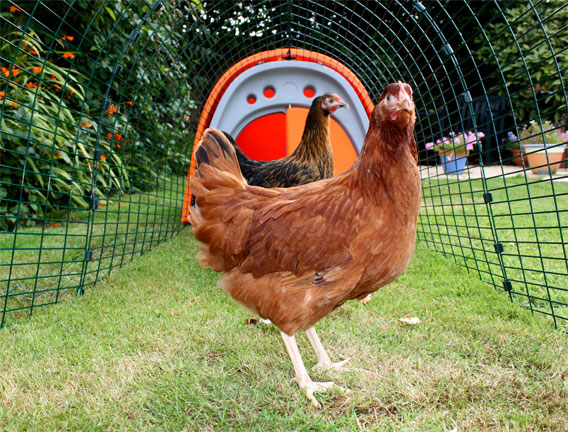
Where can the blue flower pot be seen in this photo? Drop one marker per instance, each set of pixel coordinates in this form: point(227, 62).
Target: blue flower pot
point(454, 165)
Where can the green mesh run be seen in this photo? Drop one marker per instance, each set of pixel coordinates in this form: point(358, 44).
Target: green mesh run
point(100, 102)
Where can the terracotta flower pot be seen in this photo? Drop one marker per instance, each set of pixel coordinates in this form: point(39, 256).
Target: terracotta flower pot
point(517, 159)
point(544, 159)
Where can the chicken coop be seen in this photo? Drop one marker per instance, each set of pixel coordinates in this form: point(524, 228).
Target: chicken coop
point(102, 102)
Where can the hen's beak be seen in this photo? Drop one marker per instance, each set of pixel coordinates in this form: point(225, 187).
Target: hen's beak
point(336, 104)
point(341, 104)
point(405, 104)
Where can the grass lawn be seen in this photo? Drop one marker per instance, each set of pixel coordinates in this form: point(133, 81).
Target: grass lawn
point(157, 346)
point(528, 218)
point(41, 264)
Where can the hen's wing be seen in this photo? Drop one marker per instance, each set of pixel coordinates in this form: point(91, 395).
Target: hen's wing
point(295, 230)
point(285, 172)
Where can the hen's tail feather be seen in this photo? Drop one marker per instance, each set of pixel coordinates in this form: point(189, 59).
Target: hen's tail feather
point(248, 165)
point(217, 161)
point(241, 156)
point(215, 221)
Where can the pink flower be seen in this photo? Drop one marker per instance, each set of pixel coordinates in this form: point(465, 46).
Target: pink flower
point(471, 138)
point(429, 145)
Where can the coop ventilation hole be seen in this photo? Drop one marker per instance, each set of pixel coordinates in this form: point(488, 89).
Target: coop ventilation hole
point(269, 92)
point(309, 92)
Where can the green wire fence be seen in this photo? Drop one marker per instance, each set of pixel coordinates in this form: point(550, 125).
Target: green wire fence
point(99, 104)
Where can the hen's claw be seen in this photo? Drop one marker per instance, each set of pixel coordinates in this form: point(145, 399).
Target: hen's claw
point(312, 387)
point(322, 366)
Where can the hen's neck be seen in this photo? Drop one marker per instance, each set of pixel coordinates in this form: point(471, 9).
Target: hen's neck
point(315, 139)
point(385, 162)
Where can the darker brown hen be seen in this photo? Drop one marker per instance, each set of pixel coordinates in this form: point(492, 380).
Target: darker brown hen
point(313, 158)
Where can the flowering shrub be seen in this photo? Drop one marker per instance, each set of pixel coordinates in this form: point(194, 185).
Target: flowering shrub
point(55, 141)
point(511, 141)
point(536, 133)
point(455, 143)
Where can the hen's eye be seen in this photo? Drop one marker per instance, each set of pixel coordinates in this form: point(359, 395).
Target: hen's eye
point(389, 98)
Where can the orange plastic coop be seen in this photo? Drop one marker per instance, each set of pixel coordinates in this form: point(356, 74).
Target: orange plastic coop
point(264, 99)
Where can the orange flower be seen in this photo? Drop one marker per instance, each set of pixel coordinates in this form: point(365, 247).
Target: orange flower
point(69, 55)
point(71, 92)
point(117, 136)
point(31, 85)
point(37, 70)
point(103, 158)
point(58, 86)
point(14, 9)
point(118, 145)
point(130, 103)
point(88, 125)
point(112, 110)
point(2, 94)
point(53, 77)
point(109, 135)
point(15, 71)
point(34, 52)
point(69, 38)
point(14, 104)
point(58, 155)
point(54, 224)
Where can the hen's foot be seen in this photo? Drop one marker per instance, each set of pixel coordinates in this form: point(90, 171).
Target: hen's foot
point(311, 387)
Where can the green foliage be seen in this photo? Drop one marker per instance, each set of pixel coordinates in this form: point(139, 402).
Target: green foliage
point(529, 47)
point(64, 103)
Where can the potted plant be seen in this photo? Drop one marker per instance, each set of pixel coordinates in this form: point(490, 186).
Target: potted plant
point(512, 143)
point(543, 145)
point(454, 149)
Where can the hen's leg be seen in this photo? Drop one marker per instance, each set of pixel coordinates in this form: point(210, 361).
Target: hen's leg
point(324, 363)
point(302, 377)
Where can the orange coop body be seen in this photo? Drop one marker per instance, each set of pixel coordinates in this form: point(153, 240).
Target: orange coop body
point(264, 99)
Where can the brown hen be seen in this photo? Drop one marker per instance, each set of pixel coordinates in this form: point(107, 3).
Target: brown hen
point(313, 158)
point(294, 255)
